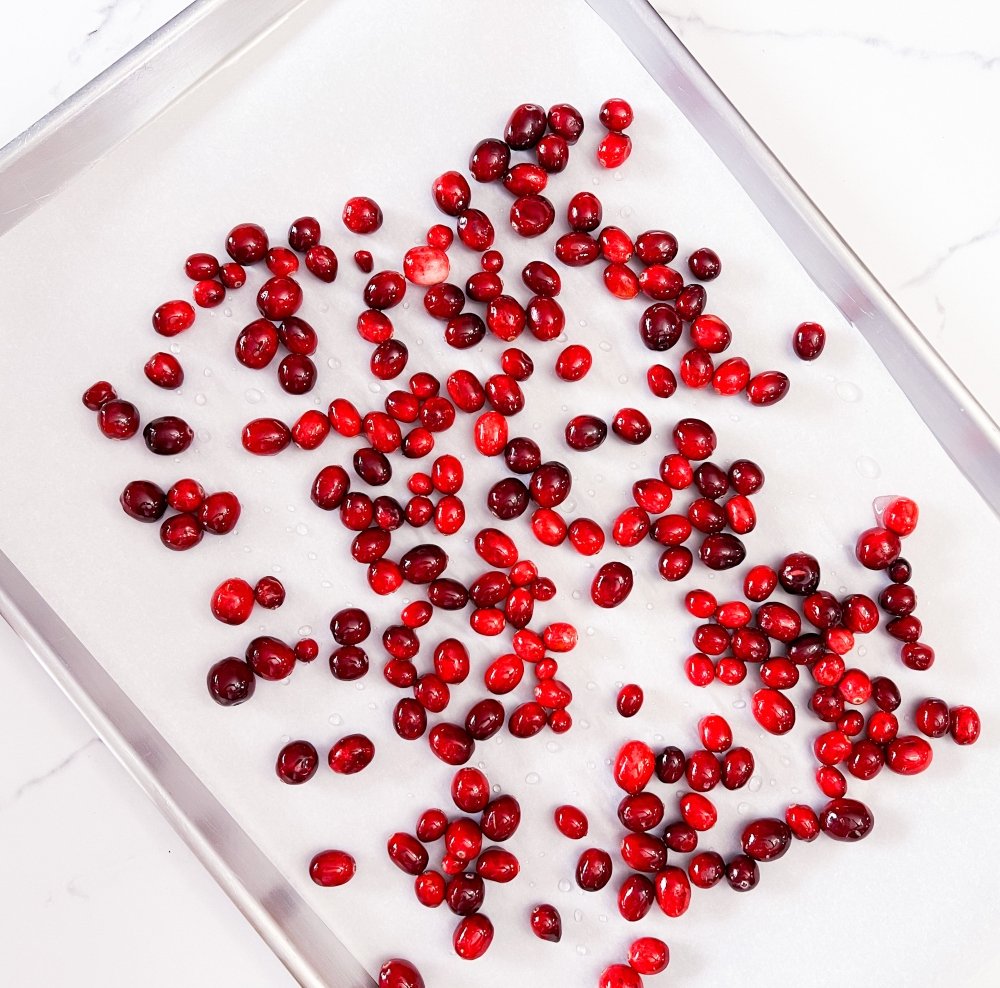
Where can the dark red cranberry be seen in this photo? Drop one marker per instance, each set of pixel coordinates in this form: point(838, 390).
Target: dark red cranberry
point(297, 763)
point(525, 127)
point(257, 344)
point(167, 435)
point(164, 370)
point(490, 160)
point(616, 114)
point(452, 193)
point(552, 152)
point(566, 121)
point(321, 262)
point(631, 425)
point(351, 754)
point(846, 820)
point(180, 532)
point(799, 574)
point(399, 973)
point(546, 923)
point(593, 870)
point(247, 243)
point(143, 501)
point(118, 419)
point(808, 340)
point(611, 585)
point(97, 394)
point(767, 388)
point(232, 275)
point(475, 230)
point(452, 744)
point(279, 298)
point(704, 264)
point(877, 548)
point(742, 873)
point(584, 212)
point(766, 839)
point(722, 551)
point(303, 233)
point(231, 681)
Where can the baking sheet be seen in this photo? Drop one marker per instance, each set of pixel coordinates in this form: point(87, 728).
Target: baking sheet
point(233, 151)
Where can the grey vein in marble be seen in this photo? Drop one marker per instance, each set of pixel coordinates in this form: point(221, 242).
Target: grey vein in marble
point(37, 780)
point(949, 252)
point(977, 58)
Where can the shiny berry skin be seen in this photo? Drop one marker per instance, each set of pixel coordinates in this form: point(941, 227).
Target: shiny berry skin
point(407, 853)
point(900, 516)
point(631, 425)
point(704, 264)
point(451, 193)
point(846, 820)
point(546, 923)
point(219, 512)
point(332, 869)
point(180, 532)
point(593, 869)
point(908, 755)
point(490, 160)
point(799, 574)
point(584, 212)
point(232, 601)
point(767, 388)
point(97, 394)
point(231, 681)
point(269, 592)
point(964, 725)
point(773, 711)
point(186, 495)
point(472, 937)
point(877, 548)
point(266, 436)
point(451, 743)
point(166, 435)
point(715, 733)
point(399, 973)
point(297, 763)
point(279, 298)
point(629, 700)
point(532, 215)
point(173, 317)
point(634, 766)
point(362, 215)
point(118, 419)
point(500, 819)
point(321, 263)
point(611, 585)
point(164, 370)
point(808, 340)
point(616, 115)
point(571, 822)
point(351, 754)
point(208, 294)
point(614, 150)
point(619, 976)
point(247, 243)
point(742, 873)
point(766, 840)
point(143, 501)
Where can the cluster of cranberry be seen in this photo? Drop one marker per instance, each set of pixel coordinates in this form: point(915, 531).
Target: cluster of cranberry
point(732, 638)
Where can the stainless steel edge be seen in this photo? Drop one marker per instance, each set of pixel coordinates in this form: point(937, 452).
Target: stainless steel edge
point(962, 426)
point(301, 940)
point(126, 96)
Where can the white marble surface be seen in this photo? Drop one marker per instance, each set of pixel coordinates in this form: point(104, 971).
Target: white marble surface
point(885, 115)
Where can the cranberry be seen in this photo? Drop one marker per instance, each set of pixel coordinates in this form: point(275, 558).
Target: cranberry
point(247, 243)
point(715, 732)
point(351, 754)
point(964, 725)
point(614, 150)
point(773, 711)
point(118, 419)
point(799, 574)
point(270, 658)
point(97, 394)
point(398, 973)
point(767, 388)
point(232, 275)
point(232, 601)
point(673, 891)
point(742, 873)
point(208, 294)
point(186, 495)
point(231, 681)
point(180, 532)
point(500, 819)
point(629, 700)
point(321, 262)
point(616, 114)
point(631, 425)
point(593, 869)
point(490, 160)
point(297, 763)
point(737, 768)
point(452, 744)
point(166, 435)
point(908, 755)
point(808, 340)
point(362, 215)
point(525, 127)
point(546, 923)
point(472, 937)
point(634, 766)
point(279, 298)
point(846, 820)
point(173, 317)
point(452, 193)
point(571, 822)
point(143, 501)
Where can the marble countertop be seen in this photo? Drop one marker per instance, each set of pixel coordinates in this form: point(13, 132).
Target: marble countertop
point(876, 109)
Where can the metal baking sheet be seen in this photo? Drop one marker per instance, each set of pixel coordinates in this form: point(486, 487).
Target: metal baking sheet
point(266, 111)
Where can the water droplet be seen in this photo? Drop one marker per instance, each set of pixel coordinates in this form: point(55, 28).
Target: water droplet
point(374, 387)
point(305, 631)
point(743, 808)
point(406, 305)
point(301, 529)
point(175, 348)
point(311, 556)
point(755, 783)
point(625, 211)
point(564, 885)
point(532, 778)
point(739, 704)
point(371, 706)
point(333, 363)
point(591, 765)
point(336, 720)
point(204, 435)
point(359, 686)
point(862, 651)
point(846, 391)
point(604, 345)
point(324, 307)
point(552, 747)
point(227, 311)
point(252, 396)
point(200, 399)
point(285, 738)
point(785, 760)
point(576, 595)
point(581, 948)
point(578, 915)
point(591, 686)
point(623, 378)
point(868, 468)
point(584, 724)
point(208, 372)
point(589, 631)
point(795, 790)
point(591, 493)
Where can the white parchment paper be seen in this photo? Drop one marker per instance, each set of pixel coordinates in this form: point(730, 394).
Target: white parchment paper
point(353, 97)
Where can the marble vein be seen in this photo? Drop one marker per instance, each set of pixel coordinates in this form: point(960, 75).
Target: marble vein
point(977, 59)
point(38, 780)
point(949, 252)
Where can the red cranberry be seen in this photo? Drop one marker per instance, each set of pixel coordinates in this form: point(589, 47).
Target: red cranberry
point(451, 743)
point(164, 370)
point(180, 532)
point(231, 681)
point(279, 298)
point(773, 711)
point(964, 725)
point(767, 388)
point(593, 870)
point(661, 381)
point(351, 754)
point(303, 233)
point(552, 152)
point(546, 923)
point(490, 160)
point(473, 937)
point(407, 853)
point(186, 495)
point(297, 763)
point(118, 419)
point(208, 294)
point(631, 425)
point(634, 766)
point(766, 839)
point(173, 317)
point(247, 243)
point(571, 822)
point(525, 127)
point(629, 700)
point(166, 435)
point(232, 601)
point(321, 262)
point(614, 150)
point(257, 344)
point(398, 973)
point(97, 394)
point(808, 340)
point(452, 193)
point(270, 658)
point(673, 891)
point(908, 755)
point(500, 819)
point(232, 275)
point(426, 265)
point(846, 820)
point(877, 548)
point(362, 215)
